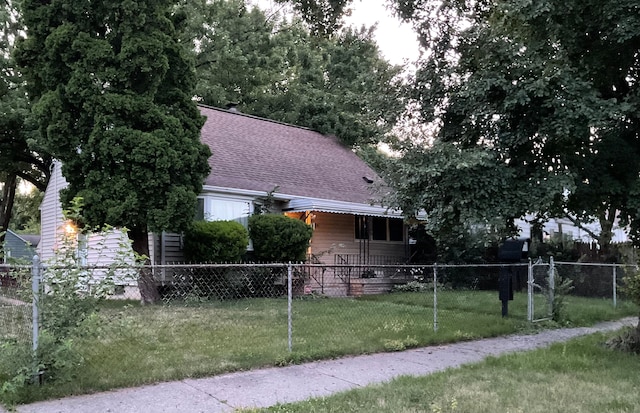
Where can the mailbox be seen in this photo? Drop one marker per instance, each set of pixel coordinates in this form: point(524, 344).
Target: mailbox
point(510, 252)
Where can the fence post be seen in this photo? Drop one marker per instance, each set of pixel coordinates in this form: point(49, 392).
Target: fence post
point(552, 285)
point(435, 297)
point(615, 286)
point(530, 292)
point(35, 289)
point(289, 300)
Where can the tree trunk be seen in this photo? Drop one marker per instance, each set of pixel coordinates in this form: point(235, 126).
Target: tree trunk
point(146, 283)
point(606, 220)
point(6, 203)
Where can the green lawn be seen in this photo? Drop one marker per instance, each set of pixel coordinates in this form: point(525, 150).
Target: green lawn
point(136, 345)
point(580, 376)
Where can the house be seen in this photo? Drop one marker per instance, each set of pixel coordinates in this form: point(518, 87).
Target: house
point(564, 227)
point(309, 176)
point(21, 247)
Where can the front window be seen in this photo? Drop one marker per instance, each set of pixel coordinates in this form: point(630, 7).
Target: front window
point(362, 227)
point(379, 228)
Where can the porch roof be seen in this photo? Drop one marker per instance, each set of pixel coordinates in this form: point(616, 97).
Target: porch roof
point(338, 207)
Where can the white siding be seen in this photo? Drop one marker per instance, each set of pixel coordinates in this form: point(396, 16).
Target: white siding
point(51, 214)
point(101, 248)
point(556, 226)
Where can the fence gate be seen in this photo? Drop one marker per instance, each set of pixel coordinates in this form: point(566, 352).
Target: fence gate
point(540, 290)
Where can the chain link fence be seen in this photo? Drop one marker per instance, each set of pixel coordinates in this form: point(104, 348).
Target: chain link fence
point(216, 318)
point(604, 281)
point(16, 322)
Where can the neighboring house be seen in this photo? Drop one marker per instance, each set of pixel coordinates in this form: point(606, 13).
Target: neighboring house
point(21, 247)
point(563, 227)
point(309, 176)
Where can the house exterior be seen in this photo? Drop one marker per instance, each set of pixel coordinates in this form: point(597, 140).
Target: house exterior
point(21, 247)
point(564, 227)
point(307, 175)
point(310, 176)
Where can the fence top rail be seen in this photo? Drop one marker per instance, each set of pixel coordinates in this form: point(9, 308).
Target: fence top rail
point(272, 265)
point(595, 264)
point(299, 265)
point(305, 265)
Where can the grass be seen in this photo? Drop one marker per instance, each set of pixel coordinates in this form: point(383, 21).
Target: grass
point(135, 345)
point(578, 376)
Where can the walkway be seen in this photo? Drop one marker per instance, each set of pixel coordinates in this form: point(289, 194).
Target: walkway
point(266, 387)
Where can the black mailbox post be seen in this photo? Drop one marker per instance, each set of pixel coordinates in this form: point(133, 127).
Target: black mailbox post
point(510, 252)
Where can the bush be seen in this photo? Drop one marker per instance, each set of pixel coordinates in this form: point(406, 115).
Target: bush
point(215, 241)
point(277, 238)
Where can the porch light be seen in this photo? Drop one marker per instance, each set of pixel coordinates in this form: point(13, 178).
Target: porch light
point(70, 228)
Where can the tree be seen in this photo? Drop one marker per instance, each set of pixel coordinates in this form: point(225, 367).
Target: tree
point(547, 91)
point(112, 89)
point(277, 69)
point(324, 17)
point(25, 217)
point(240, 52)
point(17, 157)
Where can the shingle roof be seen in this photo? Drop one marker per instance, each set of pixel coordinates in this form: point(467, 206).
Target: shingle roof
point(251, 153)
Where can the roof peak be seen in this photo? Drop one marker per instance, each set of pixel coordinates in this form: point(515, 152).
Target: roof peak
point(238, 113)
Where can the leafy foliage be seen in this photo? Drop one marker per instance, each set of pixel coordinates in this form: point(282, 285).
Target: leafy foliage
point(25, 216)
point(562, 287)
point(277, 238)
point(112, 88)
point(545, 93)
point(275, 68)
point(461, 192)
point(215, 241)
point(324, 17)
point(18, 161)
point(629, 340)
point(68, 304)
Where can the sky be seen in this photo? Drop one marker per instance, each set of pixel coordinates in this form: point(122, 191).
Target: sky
point(396, 40)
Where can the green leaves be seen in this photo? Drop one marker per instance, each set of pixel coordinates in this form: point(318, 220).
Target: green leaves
point(278, 69)
point(324, 17)
point(112, 95)
point(545, 89)
point(277, 238)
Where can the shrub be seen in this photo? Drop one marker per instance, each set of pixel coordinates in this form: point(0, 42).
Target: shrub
point(68, 303)
point(215, 241)
point(277, 238)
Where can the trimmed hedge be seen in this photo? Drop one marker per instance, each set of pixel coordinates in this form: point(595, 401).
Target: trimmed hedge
point(277, 238)
point(215, 241)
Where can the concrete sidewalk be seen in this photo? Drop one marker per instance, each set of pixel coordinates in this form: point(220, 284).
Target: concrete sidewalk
point(266, 387)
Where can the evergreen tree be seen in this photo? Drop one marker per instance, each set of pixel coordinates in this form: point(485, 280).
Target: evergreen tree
point(112, 88)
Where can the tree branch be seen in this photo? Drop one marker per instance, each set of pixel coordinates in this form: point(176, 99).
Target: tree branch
point(577, 223)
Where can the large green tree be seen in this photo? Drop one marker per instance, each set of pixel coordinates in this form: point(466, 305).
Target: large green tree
point(276, 68)
point(546, 93)
point(324, 17)
point(112, 87)
point(18, 160)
